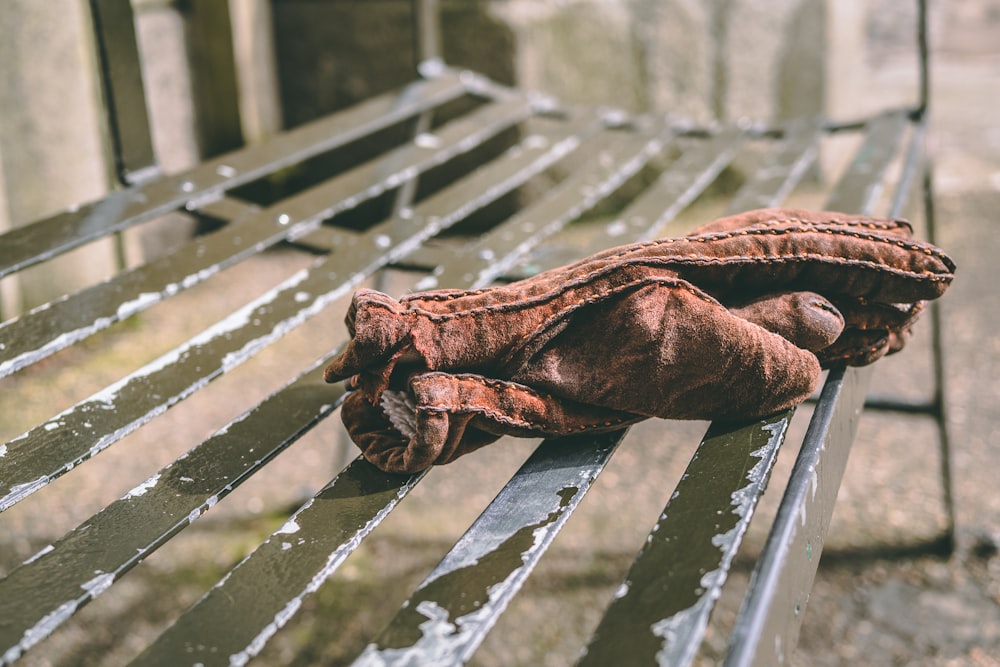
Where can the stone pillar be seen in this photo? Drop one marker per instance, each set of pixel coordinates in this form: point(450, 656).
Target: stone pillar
point(51, 151)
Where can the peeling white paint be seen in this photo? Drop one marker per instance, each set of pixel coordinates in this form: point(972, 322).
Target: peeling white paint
point(99, 583)
point(42, 552)
point(141, 489)
point(290, 527)
point(694, 619)
point(19, 491)
point(41, 630)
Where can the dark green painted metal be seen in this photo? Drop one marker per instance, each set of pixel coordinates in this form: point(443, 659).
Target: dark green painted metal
point(317, 556)
point(46, 330)
point(234, 620)
point(770, 184)
point(124, 93)
point(449, 614)
point(63, 576)
point(766, 632)
point(51, 449)
point(45, 591)
point(660, 612)
point(605, 163)
point(686, 559)
point(45, 239)
point(681, 183)
point(767, 627)
point(646, 216)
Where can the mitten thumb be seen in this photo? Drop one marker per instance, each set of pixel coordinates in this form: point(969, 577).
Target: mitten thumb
point(805, 319)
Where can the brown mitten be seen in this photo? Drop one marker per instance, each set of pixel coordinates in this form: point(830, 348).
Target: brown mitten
point(633, 332)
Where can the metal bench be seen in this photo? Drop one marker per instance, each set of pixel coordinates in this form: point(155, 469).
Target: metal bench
point(435, 231)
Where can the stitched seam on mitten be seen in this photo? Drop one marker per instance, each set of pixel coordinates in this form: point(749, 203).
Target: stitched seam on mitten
point(802, 226)
point(694, 259)
point(699, 260)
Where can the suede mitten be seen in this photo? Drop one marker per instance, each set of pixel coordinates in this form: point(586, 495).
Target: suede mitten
point(730, 322)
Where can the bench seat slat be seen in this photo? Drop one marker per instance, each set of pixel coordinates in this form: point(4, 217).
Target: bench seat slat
point(49, 329)
point(46, 590)
point(64, 573)
point(681, 183)
point(50, 449)
point(304, 552)
point(47, 238)
point(688, 560)
point(684, 181)
point(609, 161)
point(783, 576)
point(785, 167)
point(318, 556)
point(450, 613)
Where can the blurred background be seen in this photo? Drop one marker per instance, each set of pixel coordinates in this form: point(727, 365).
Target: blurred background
point(223, 74)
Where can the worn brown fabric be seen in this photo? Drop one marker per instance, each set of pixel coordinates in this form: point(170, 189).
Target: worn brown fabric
point(729, 322)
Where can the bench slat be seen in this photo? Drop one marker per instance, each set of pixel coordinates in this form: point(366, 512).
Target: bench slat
point(449, 614)
point(63, 577)
point(681, 183)
point(51, 328)
point(684, 181)
point(781, 581)
point(316, 555)
point(448, 629)
point(36, 597)
point(686, 558)
point(774, 181)
point(50, 449)
point(47, 238)
point(688, 561)
point(613, 159)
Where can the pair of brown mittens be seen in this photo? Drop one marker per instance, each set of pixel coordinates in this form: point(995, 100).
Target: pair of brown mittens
point(733, 321)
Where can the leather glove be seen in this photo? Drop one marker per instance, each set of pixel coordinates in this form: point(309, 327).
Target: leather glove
point(725, 323)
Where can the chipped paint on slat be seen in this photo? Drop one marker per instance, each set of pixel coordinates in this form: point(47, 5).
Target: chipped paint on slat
point(687, 561)
point(333, 561)
point(678, 630)
point(141, 489)
point(452, 610)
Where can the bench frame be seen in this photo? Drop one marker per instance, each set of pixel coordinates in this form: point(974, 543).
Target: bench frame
point(448, 615)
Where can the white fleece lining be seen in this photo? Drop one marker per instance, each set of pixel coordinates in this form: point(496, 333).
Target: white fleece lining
point(401, 411)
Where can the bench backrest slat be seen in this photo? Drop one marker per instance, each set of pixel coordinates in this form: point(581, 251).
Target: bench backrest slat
point(40, 333)
point(124, 92)
point(788, 563)
point(35, 451)
point(29, 245)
